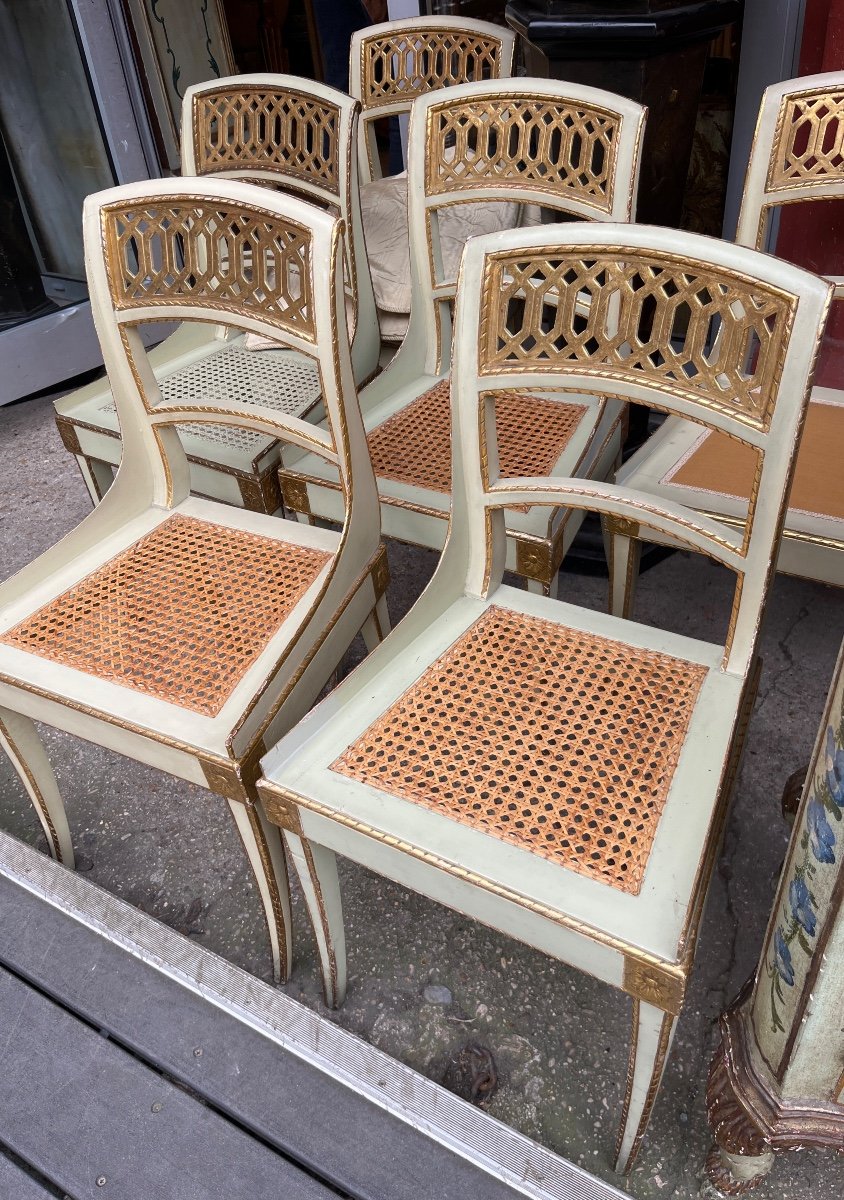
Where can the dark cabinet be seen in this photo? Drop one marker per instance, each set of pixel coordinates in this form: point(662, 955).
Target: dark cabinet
point(653, 51)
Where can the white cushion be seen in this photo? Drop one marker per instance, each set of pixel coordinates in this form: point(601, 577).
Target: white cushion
point(384, 210)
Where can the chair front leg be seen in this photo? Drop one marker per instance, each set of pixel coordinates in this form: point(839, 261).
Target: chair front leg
point(317, 870)
point(263, 845)
point(650, 1043)
point(19, 738)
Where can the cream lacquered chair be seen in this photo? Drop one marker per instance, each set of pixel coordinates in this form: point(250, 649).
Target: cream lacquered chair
point(283, 132)
point(710, 471)
point(181, 632)
point(574, 149)
point(389, 66)
point(557, 773)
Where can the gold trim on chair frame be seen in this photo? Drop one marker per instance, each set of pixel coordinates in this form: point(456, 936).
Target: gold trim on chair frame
point(798, 116)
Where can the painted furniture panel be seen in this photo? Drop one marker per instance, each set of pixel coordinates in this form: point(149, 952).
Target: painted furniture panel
point(777, 1079)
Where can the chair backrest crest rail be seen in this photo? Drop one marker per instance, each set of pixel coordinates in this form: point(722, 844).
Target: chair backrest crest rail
point(797, 153)
point(263, 129)
point(810, 141)
point(661, 323)
point(283, 132)
point(188, 251)
point(575, 150)
point(550, 144)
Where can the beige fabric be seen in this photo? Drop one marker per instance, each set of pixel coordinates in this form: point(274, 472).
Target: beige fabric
point(384, 210)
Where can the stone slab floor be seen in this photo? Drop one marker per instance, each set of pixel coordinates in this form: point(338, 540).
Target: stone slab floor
point(558, 1039)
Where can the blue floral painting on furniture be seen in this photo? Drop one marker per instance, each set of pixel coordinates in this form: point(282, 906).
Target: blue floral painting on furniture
point(820, 843)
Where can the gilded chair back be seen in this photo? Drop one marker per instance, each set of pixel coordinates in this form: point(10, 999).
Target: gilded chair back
point(570, 148)
point(285, 132)
point(391, 64)
point(225, 252)
point(720, 335)
point(797, 153)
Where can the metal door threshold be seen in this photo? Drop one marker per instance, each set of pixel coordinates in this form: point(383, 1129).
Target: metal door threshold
point(347, 1113)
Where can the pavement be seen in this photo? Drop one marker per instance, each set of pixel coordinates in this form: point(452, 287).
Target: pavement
point(427, 983)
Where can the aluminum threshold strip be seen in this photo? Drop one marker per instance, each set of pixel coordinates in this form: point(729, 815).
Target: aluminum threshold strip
point(465, 1130)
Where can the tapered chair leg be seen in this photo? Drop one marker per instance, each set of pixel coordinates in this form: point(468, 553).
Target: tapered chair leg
point(623, 556)
point(264, 847)
point(98, 476)
point(317, 870)
point(650, 1042)
point(19, 738)
point(376, 626)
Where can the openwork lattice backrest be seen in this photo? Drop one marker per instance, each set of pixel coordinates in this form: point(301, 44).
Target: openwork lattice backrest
point(281, 131)
point(719, 334)
point(797, 154)
point(224, 252)
point(571, 148)
point(201, 252)
point(271, 127)
point(391, 64)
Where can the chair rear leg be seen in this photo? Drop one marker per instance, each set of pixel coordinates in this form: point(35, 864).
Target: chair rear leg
point(98, 476)
point(376, 626)
point(19, 738)
point(651, 1038)
point(263, 845)
point(317, 870)
point(623, 556)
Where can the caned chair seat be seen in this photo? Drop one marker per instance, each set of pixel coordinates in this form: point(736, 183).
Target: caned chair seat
point(389, 66)
point(521, 725)
point(788, 165)
point(715, 474)
point(177, 630)
point(414, 445)
point(555, 773)
point(571, 149)
point(238, 466)
point(560, 774)
point(181, 617)
point(410, 447)
point(283, 133)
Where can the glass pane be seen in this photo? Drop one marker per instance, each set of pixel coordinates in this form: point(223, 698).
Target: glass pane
point(52, 136)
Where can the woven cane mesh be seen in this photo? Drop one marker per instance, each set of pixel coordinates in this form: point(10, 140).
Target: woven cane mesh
point(665, 323)
point(552, 739)
point(180, 615)
point(222, 256)
point(404, 64)
point(277, 379)
point(291, 133)
point(809, 140)
point(414, 446)
point(562, 150)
